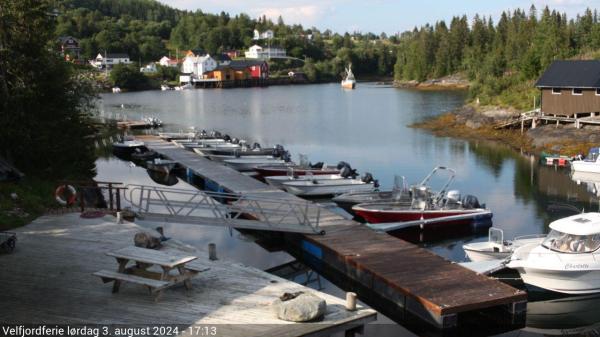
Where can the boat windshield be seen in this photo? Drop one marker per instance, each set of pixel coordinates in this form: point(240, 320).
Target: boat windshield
point(569, 243)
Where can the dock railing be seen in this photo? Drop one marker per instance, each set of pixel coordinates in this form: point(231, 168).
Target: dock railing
point(218, 208)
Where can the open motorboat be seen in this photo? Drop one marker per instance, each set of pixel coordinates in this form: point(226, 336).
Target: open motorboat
point(277, 181)
point(567, 261)
point(226, 157)
point(496, 248)
point(591, 163)
point(161, 165)
point(322, 187)
point(176, 135)
point(443, 207)
point(244, 150)
point(250, 163)
point(127, 145)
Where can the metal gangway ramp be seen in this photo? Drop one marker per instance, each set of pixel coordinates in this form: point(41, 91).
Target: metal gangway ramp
point(248, 211)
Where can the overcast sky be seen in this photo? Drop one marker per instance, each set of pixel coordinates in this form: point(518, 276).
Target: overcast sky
point(373, 15)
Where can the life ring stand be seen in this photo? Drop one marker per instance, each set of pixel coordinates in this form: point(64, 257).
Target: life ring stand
point(65, 195)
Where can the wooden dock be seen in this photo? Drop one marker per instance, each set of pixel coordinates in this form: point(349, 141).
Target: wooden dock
point(408, 277)
point(48, 279)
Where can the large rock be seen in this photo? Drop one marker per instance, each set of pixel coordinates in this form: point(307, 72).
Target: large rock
point(146, 240)
point(299, 307)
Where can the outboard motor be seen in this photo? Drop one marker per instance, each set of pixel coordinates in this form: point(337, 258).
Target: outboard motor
point(256, 146)
point(286, 156)
point(227, 138)
point(348, 172)
point(318, 165)
point(341, 164)
point(368, 178)
point(470, 202)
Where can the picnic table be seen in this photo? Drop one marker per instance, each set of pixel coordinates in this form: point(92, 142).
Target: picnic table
point(173, 268)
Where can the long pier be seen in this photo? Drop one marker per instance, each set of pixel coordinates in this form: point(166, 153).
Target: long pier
point(411, 279)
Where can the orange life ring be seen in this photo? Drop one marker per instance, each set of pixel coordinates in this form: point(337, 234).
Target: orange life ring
point(65, 195)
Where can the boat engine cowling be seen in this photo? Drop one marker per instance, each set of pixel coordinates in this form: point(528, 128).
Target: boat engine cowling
point(235, 141)
point(453, 196)
point(341, 164)
point(348, 172)
point(470, 201)
point(286, 156)
point(317, 165)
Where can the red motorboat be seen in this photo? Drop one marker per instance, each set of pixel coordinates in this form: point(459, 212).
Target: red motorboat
point(425, 207)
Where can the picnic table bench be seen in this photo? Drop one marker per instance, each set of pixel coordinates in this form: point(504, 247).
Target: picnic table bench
point(140, 273)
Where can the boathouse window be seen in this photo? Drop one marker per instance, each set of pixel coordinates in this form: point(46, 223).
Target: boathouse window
point(577, 91)
point(569, 243)
point(555, 91)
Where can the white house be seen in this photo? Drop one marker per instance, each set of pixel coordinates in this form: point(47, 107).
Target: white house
point(149, 68)
point(196, 66)
point(109, 60)
point(168, 62)
point(268, 34)
point(258, 52)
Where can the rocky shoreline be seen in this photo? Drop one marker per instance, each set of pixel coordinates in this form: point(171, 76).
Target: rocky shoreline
point(444, 83)
point(478, 123)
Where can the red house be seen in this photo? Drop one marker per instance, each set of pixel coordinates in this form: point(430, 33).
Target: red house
point(258, 69)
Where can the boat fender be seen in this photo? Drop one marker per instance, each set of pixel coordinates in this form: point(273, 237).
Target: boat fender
point(65, 195)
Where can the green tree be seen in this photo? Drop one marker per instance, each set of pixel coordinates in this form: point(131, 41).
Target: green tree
point(129, 77)
point(44, 103)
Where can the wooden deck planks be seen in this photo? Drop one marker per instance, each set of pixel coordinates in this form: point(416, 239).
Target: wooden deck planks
point(49, 278)
point(438, 284)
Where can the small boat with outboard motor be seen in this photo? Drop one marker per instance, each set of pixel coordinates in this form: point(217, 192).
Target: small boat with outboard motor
point(334, 186)
point(400, 192)
point(140, 155)
point(304, 167)
point(127, 145)
point(428, 208)
point(277, 181)
point(250, 163)
point(244, 150)
point(567, 260)
point(496, 248)
point(161, 165)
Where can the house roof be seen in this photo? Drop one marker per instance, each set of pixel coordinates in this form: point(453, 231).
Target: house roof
point(571, 74)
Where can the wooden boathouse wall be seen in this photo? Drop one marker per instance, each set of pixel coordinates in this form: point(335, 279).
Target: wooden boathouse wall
point(568, 104)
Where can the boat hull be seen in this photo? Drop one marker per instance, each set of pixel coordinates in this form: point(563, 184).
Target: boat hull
point(562, 281)
point(349, 85)
point(478, 253)
point(269, 171)
point(585, 166)
point(324, 189)
point(278, 181)
point(249, 165)
point(383, 216)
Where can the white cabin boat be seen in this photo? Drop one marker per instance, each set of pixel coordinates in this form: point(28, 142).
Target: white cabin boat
point(567, 261)
point(349, 82)
point(591, 163)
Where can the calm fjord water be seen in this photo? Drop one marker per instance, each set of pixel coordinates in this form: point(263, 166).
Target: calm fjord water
point(367, 127)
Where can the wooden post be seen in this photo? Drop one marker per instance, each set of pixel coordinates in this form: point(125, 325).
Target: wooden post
point(110, 196)
point(350, 301)
point(118, 189)
point(212, 251)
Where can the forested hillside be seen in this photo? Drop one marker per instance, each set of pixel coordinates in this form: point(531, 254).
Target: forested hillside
point(502, 59)
point(147, 30)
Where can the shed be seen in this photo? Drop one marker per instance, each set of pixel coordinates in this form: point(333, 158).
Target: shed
point(571, 88)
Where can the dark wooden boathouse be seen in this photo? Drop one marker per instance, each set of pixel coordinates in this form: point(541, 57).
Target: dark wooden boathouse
point(571, 88)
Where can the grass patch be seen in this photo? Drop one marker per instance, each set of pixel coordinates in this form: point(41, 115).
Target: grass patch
point(33, 197)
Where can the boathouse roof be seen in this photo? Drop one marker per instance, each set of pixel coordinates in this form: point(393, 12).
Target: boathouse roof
point(571, 74)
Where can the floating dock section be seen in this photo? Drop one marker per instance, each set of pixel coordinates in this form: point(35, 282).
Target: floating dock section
point(409, 277)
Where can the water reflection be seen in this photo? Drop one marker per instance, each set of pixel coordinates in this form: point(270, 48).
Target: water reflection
point(564, 316)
